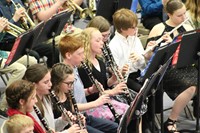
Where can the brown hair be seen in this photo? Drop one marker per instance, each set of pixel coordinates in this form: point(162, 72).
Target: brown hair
point(69, 44)
point(100, 23)
point(59, 73)
point(20, 89)
point(194, 8)
point(124, 19)
point(173, 5)
point(34, 74)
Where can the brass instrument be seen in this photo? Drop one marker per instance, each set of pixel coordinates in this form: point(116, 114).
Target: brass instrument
point(27, 23)
point(92, 8)
point(83, 12)
point(14, 30)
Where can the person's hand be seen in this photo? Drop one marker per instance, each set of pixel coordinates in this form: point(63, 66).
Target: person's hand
point(75, 128)
point(69, 115)
point(125, 69)
point(83, 119)
point(61, 2)
point(19, 13)
point(102, 100)
point(134, 57)
point(3, 23)
point(167, 38)
point(119, 88)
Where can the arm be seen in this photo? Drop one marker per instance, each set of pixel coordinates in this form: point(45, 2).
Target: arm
point(149, 7)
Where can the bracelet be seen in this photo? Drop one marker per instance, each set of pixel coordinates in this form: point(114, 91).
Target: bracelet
point(88, 91)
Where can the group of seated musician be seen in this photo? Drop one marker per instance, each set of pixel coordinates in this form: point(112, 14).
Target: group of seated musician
point(85, 102)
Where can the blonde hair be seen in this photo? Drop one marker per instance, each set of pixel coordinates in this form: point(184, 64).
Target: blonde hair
point(193, 7)
point(86, 37)
point(18, 122)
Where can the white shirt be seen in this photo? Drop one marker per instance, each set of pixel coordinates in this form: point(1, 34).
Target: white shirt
point(121, 49)
point(57, 124)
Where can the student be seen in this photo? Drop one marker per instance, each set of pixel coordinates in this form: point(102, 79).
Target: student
point(19, 124)
point(152, 12)
point(127, 48)
point(14, 15)
point(21, 97)
point(40, 76)
point(193, 12)
point(72, 51)
point(63, 80)
point(93, 44)
point(102, 25)
point(179, 87)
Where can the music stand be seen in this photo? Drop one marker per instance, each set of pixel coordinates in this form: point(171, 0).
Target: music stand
point(53, 27)
point(189, 53)
point(23, 44)
point(160, 57)
point(137, 108)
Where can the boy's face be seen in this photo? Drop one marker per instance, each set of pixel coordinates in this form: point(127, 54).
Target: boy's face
point(130, 31)
point(76, 57)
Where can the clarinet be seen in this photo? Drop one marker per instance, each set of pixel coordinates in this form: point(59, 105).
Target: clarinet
point(60, 107)
point(76, 110)
point(42, 120)
point(111, 62)
point(94, 81)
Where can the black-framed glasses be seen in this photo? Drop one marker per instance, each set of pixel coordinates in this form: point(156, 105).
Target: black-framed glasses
point(70, 84)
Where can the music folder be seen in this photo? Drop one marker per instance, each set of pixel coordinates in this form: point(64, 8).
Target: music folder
point(23, 43)
point(54, 26)
point(189, 48)
point(160, 57)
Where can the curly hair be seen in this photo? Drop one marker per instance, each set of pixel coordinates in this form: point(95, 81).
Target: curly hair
point(20, 89)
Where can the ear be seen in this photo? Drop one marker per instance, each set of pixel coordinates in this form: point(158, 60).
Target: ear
point(21, 102)
point(68, 55)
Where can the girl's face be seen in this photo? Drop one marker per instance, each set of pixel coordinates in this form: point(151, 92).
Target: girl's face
point(96, 42)
point(28, 129)
point(77, 57)
point(130, 31)
point(178, 16)
point(105, 35)
point(28, 105)
point(44, 85)
point(67, 84)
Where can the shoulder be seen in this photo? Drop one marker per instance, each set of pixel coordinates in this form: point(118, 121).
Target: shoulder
point(157, 30)
point(187, 27)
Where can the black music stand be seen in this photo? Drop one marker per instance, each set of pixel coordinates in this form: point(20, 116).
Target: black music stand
point(53, 27)
point(188, 55)
point(24, 44)
point(162, 55)
point(137, 107)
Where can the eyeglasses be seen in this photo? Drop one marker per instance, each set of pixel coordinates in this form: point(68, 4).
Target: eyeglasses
point(106, 35)
point(70, 84)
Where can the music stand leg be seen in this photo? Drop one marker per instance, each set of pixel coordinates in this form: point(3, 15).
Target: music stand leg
point(27, 53)
point(198, 91)
point(53, 47)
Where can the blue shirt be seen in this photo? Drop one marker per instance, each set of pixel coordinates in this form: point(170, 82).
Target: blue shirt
point(151, 7)
point(7, 10)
